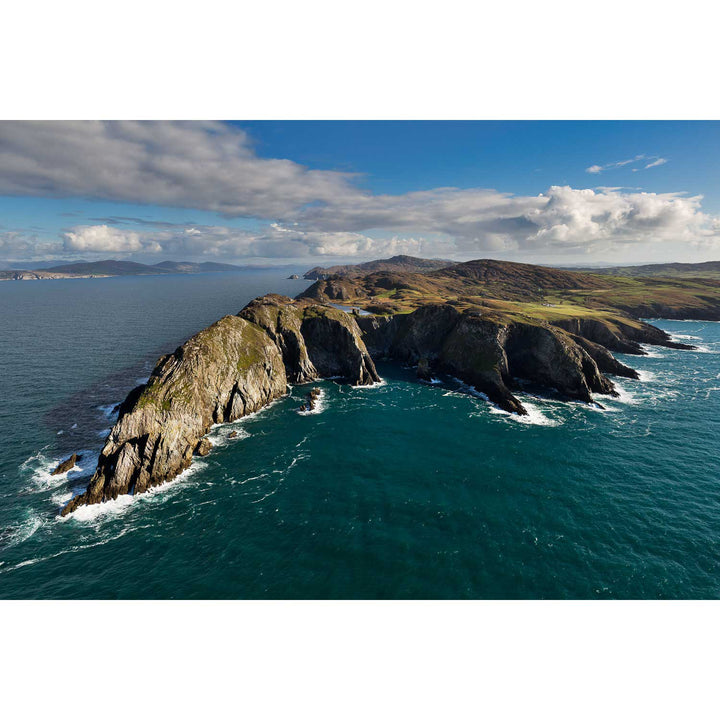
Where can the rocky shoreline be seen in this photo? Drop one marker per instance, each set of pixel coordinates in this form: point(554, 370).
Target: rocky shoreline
point(243, 362)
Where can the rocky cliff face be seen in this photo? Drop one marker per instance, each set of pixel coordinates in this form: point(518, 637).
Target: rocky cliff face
point(230, 369)
point(618, 335)
point(241, 363)
point(492, 355)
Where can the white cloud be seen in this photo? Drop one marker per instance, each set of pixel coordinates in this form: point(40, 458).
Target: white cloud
point(308, 213)
point(655, 161)
point(204, 165)
point(445, 222)
point(105, 239)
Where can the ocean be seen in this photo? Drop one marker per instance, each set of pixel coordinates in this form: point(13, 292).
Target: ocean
point(402, 490)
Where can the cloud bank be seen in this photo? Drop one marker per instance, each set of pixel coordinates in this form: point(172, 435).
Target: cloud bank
point(304, 213)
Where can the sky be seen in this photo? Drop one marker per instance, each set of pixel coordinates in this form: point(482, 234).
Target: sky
point(319, 193)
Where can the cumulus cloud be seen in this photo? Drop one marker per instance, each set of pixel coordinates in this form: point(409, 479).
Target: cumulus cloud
point(105, 239)
point(307, 213)
point(205, 165)
point(444, 222)
point(582, 219)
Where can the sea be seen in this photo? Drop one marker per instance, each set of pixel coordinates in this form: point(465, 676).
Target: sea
point(401, 490)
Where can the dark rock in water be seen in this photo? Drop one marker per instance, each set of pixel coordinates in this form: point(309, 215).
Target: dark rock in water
point(232, 435)
point(487, 353)
point(66, 465)
point(294, 277)
point(423, 369)
point(204, 447)
point(310, 400)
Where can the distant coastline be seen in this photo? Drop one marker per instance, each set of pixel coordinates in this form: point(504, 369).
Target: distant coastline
point(117, 268)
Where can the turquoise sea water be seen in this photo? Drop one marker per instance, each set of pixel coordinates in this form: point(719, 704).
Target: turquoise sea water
point(405, 490)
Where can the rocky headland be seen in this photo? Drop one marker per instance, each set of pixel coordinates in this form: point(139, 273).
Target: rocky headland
point(243, 362)
point(231, 369)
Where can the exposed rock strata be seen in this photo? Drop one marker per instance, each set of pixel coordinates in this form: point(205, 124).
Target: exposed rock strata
point(232, 368)
point(243, 362)
point(490, 354)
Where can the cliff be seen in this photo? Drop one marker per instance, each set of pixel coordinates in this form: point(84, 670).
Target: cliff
point(489, 354)
point(232, 368)
point(492, 325)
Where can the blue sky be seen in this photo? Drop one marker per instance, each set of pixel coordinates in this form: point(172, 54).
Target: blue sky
point(321, 192)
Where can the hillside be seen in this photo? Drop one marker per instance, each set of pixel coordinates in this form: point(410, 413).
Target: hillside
point(191, 267)
point(709, 269)
point(106, 267)
point(398, 263)
point(530, 291)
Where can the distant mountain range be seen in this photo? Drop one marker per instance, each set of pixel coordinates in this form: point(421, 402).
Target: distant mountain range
point(105, 268)
point(709, 269)
point(398, 263)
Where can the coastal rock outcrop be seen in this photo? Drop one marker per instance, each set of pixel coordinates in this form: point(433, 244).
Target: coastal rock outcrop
point(619, 335)
point(229, 370)
point(489, 354)
point(66, 465)
point(315, 340)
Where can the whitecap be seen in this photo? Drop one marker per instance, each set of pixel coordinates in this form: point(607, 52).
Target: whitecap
point(123, 503)
point(534, 415)
point(319, 406)
point(108, 410)
point(25, 530)
point(651, 351)
point(380, 383)
point(40, 467)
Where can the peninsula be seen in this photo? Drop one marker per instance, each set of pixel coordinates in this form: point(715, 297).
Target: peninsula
point(491, 324)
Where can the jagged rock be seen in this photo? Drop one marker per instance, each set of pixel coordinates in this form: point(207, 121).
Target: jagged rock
point(281, 319)
point(66, 465)
point(224, 372)
point(488, 353)
point(232, 368)
point(604, 359)
point(233, 434)
point(315, 340)
point(203, 447)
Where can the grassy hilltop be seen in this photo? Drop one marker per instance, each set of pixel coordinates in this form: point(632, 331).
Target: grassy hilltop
point(528, 291)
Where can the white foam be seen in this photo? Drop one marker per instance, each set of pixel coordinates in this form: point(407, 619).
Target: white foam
point(373, 386)
point(646, 376)
point(108, 410)
point(679, 337)
point(26, 530)
point(319, 406)
point(123, 503)
point(534, 415)
point(651, 351)
point(220, 435)
point(40, 468)
point(624, 396)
